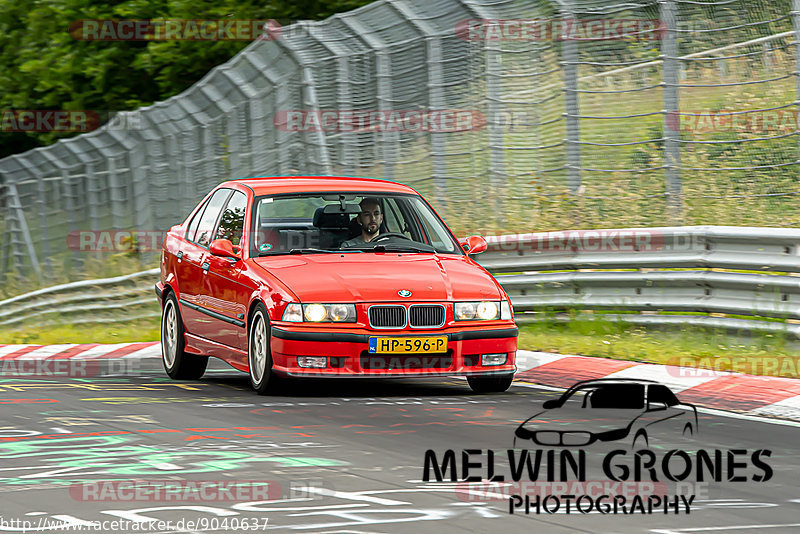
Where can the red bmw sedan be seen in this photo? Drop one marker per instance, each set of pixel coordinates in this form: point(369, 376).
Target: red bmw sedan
point(330, 277)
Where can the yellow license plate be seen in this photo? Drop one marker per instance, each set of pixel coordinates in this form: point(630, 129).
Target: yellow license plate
point(407, 345)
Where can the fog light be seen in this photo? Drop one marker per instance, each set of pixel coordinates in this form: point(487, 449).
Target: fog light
point(494, 359)
point(317, 362)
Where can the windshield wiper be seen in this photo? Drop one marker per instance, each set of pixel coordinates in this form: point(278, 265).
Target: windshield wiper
point(402, 248)
point(296, 251)
point(311, 251)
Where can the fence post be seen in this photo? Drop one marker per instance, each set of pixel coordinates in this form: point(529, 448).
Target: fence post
point(349, 140)
point(18, 234)
point(796, 28)
point(139, 164)
point(494, 119)
point(389, 139)
point(43, 226)
point(569, 62)
point(671, 120)
point(437, 103)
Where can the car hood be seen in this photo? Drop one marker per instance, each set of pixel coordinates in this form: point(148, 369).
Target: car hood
point(373, 277)
point(586, 420)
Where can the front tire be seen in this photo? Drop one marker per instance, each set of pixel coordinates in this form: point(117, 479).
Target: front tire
point(178, 364)
point(490, 384)
point(259, 356)
point(639, 438)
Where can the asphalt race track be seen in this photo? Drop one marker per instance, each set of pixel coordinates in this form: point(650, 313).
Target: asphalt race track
point(339, 457)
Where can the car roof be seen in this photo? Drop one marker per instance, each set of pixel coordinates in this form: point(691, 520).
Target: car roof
point(266, 185)
point(609, 381)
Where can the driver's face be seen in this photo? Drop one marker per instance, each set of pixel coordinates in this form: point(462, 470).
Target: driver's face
point(370, 219)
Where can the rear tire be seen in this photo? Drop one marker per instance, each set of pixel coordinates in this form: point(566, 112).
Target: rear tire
point(259, 355)
point(178, 364)
point(490, 384)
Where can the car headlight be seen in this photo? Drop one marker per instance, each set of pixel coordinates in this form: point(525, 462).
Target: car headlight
point(486, 310)
point(315, 313)
point(331, 313)
point(293, 313)
point(318, 313)
point(465, 311)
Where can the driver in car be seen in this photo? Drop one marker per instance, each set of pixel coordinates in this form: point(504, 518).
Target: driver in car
point(370, 220)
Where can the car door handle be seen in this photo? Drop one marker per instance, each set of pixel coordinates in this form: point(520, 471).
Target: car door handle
point(204, 266)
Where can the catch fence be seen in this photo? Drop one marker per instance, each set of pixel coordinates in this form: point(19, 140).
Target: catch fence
point(510, 116)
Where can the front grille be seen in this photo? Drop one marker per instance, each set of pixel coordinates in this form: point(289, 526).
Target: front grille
point(576, 439)
point(387, 316)
point(426, 315)
point(407, 362)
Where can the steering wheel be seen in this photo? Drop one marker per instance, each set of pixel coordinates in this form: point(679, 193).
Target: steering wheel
point(390, 234)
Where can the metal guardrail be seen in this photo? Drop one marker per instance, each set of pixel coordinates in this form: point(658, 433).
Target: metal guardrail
point(117, 299)
point(562, 125)
point(705, 273)
point(645, 275)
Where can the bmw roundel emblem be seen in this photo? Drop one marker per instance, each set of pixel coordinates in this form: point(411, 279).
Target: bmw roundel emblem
point(404, 293)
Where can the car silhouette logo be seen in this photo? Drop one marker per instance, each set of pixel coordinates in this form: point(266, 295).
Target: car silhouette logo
point(609, 410)
point(404, 293)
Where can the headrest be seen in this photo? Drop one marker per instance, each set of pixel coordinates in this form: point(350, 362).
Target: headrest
point(330, 220)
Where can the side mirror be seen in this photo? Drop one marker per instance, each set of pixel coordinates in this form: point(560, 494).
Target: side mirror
point(656, 406)
point(549, 405)
point(224, 248)
point(473, 244)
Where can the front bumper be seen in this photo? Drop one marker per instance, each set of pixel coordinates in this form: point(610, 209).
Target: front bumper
point(348, 356)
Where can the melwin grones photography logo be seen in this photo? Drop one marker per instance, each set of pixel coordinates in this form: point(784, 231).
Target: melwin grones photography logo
point(637, 433)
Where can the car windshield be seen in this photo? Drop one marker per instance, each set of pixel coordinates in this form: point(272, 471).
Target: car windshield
point(608, 396)
point(318, 223)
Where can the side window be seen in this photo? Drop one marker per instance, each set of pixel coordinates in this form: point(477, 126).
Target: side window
point(195, 221)
point(659, 393)
point(206, 225)
point(231, 224)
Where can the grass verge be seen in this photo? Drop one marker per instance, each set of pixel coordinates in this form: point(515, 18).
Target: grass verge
point(124, 332)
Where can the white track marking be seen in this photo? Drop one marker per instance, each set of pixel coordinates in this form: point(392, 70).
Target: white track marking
point(46, 351)
point(527, 359)
point(670, 376)
point(98, 351)
point(153, 351)
point(8, 349)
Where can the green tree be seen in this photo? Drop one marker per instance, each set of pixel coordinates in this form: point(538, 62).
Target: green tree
point(42, 66)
